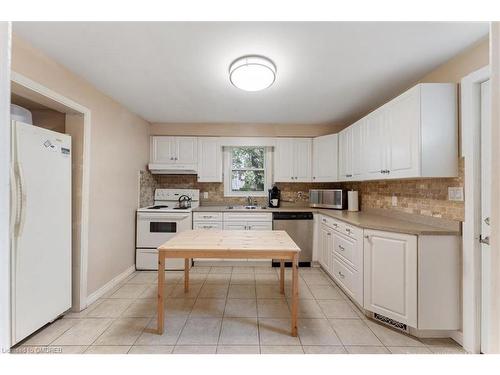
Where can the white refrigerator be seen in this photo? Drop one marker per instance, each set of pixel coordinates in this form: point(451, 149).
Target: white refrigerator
point(41, 227)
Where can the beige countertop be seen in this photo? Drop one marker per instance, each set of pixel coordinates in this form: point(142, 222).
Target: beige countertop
point(386, 220)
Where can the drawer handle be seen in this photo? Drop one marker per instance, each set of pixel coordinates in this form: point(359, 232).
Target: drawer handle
point(335, 225)
point(341, 274)
point(341, 247)
point(324, 220)
point(348, 230)
point(328, 234)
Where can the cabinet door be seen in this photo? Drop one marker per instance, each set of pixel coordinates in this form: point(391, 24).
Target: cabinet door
point(283, 160)
point(235, 225)
point(345, 155)
point(186, 150)
point(302, 152)
point(390, 275)
point(162, 150)
point(375, 145)
point(403, 134)
point(357, 150)
point(260, 225)
point(209, 160)
point(325, 158)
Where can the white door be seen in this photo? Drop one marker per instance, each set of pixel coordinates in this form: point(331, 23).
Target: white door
point(283, 160)
point(390, 275)
point(403, 124)
point(162, 149)
point(375, 145)
point(302, 159)
point(209, 160)
point(41, 256)
point(485, 216)
point(186, 150)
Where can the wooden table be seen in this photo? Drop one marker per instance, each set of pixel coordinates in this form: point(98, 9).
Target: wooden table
point(230, 244)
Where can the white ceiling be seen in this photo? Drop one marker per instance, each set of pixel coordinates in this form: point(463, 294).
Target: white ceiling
point(178, 71)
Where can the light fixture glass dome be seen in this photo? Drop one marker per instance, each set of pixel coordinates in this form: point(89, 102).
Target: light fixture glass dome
point(252, 73)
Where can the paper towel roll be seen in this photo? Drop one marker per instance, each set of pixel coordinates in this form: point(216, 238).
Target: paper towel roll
point(352, 201)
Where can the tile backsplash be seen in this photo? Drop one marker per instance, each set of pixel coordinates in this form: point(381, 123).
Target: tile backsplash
point(427, 197)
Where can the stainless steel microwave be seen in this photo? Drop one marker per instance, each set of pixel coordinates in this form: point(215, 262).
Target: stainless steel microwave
point(328, 198)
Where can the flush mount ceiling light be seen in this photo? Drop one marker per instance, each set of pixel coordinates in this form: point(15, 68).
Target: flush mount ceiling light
point(252, 73)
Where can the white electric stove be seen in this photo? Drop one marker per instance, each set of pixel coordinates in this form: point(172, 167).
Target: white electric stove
point(158, 223)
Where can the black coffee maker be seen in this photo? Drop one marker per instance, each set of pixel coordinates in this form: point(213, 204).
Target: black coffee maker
point(274, 197)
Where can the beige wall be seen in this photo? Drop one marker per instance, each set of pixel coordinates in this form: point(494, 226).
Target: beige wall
point(119, 149)
point(245, 130)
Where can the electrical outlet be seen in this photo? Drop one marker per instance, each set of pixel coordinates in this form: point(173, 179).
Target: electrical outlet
point(205, 195)
point(394, 201)
point(455, 194)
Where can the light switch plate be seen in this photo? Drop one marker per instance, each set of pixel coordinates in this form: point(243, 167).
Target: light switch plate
point(394, 201)
point(455, 194)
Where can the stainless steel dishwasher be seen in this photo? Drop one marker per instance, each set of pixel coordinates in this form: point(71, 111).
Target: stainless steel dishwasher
point(300, 227)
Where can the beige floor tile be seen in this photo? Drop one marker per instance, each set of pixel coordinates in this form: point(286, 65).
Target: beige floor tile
point(145, 349)
point(200, 332)
point(178, 306)
point(281, 349)
point(276, 332)
point(272, 308)
point(308, 308)
point(213, 291)
point(238, 349)
point(51, 332)
point(194, 290)
point(239, 331)
point(69, 349)
point(317, 332)
point(241, 291)
point(367, 350)
point(123, 331)
point(268, 291)
point(265, 269)
point(304, 292)
point(193, 349)
point(208, 308)
point(200, 269)
point(110, 308)
point(108, 349)
point(174, 276)
point(130, 291)
point(337, 309)
point(171, 332)
point(324, 349)
point(144, 277)
point(240, 308)
point(141, 308)
point(243, 278)
point(266, 278)
point(409, 350)
point(437, 349)
point(49, 349)
point(325, 292)
point(391, 337)
point(243, 270)
point(354, 332)
point(150, 291)
point(197, 277)
point(83, 313)
point(316, 279)
point(85, 332)
point(440, 342)
point(221, 269)
point(218, 278)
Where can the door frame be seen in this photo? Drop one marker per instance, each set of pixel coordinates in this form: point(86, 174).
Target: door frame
point(38, 88)
point(471, 227)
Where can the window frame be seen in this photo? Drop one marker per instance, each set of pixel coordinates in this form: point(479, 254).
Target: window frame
point(227, 172)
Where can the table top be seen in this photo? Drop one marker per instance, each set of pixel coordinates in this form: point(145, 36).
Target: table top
point(227, 240)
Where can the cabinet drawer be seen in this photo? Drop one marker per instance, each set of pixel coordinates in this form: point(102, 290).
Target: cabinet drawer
point(330, 222)
point(207, 216)
point(264, 225)
point(348, 279)
point(351, 231)
point(243, 216)
point(207, 225)
point(345, 249)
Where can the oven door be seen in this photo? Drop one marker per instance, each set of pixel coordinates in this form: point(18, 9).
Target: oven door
point(155, 228)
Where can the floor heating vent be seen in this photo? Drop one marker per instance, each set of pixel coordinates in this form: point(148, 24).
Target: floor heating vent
point(391, 322)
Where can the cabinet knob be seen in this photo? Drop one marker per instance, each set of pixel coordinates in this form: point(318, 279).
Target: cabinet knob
point(341, 248)
point(341, 274)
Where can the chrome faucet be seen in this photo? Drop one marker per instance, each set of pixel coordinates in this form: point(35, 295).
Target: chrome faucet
point(249, 201)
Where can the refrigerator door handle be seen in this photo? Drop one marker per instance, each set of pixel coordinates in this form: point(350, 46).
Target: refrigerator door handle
point(21, 202)
point(14, 209)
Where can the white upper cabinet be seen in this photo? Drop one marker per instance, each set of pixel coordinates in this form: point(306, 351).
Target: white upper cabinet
point(173, 154)
point(292, 160)
point(325, 158)
point(414, 135)
point(209, 160)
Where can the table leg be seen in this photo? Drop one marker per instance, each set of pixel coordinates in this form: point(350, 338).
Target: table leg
point(295, 293)
point(161, 291)
point(282, 276)
point(186, 275)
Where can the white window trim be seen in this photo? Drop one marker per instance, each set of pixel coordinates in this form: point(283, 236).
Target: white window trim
point(227, 174)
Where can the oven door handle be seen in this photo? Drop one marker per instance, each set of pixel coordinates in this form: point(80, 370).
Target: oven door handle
point(162, 217)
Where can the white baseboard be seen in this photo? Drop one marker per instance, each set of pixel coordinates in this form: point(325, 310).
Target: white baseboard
point(91, 298)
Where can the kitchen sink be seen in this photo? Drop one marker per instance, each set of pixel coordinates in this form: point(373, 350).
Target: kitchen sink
point(246, 207)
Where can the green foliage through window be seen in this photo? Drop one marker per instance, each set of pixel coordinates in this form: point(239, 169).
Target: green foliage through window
point(247, 169)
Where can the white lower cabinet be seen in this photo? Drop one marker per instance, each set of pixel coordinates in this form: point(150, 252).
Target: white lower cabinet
point(390, 268)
